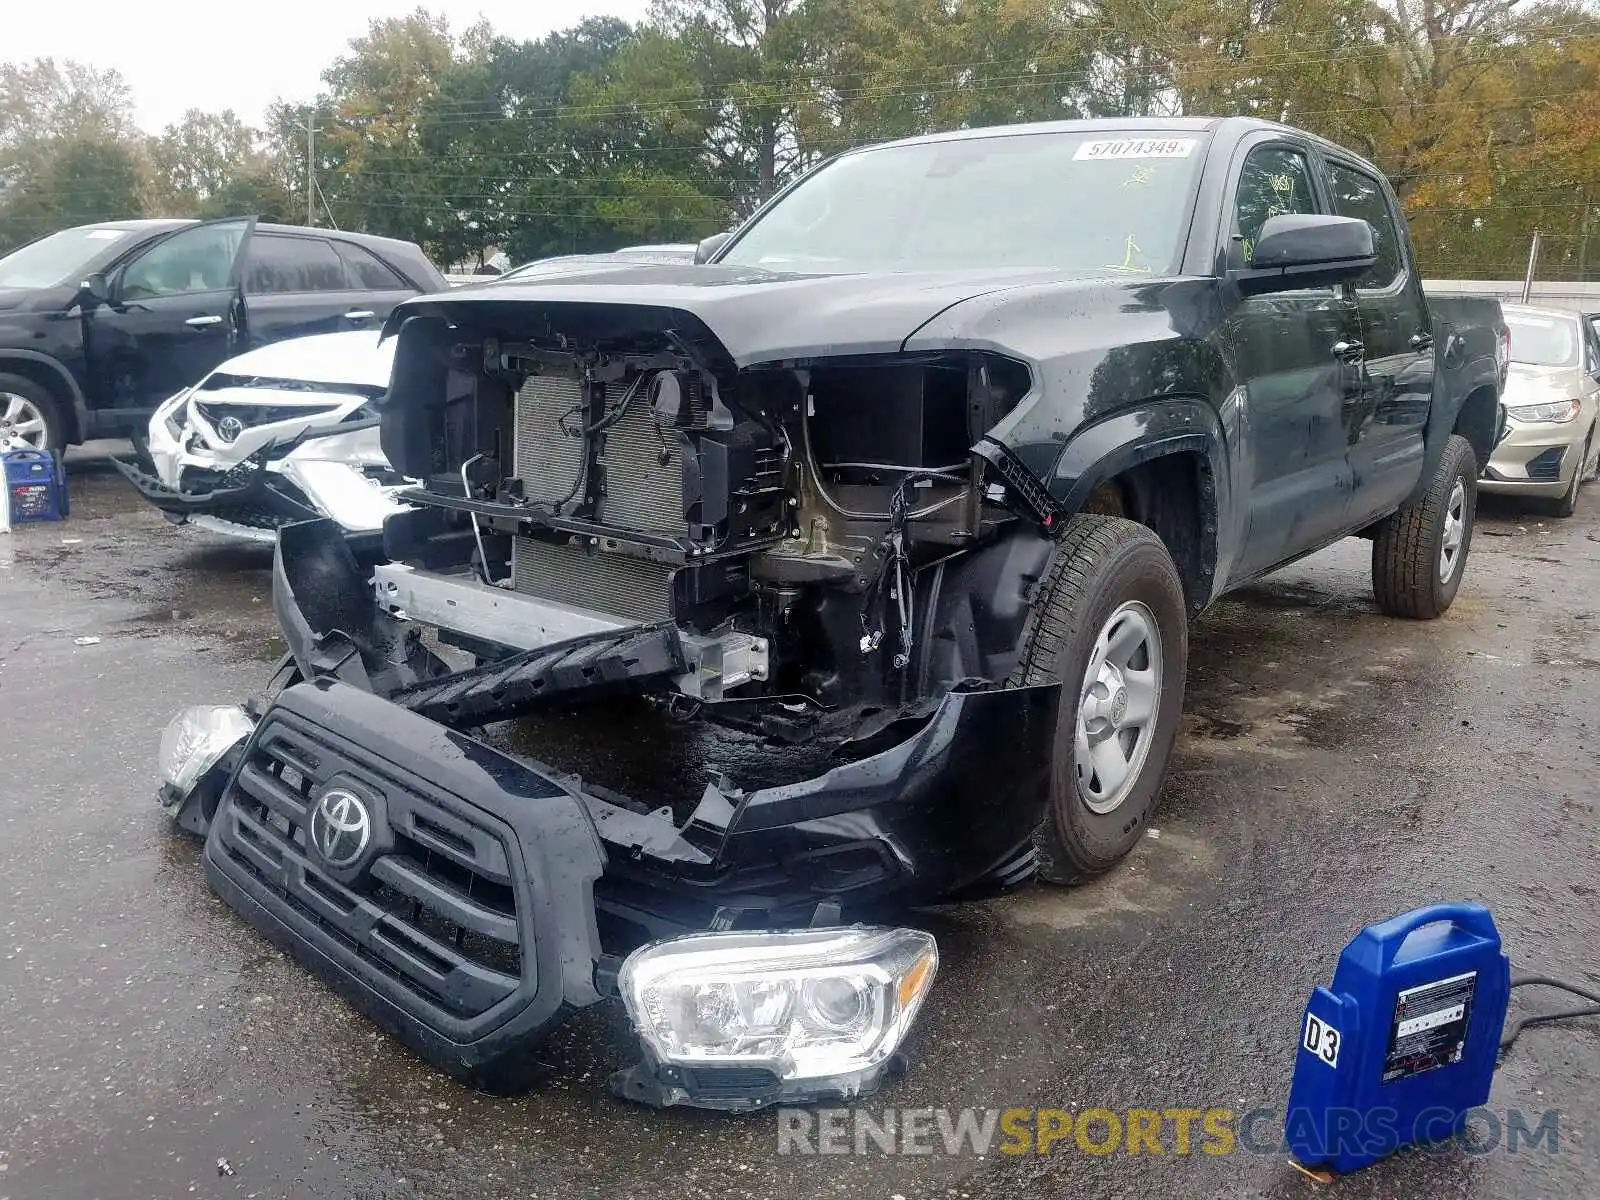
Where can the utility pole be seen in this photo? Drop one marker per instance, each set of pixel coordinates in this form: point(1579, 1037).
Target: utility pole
point(311, 167)
point(1533, 261)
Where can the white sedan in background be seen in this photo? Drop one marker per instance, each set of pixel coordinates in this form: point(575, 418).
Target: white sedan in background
point(1552, 401)
point(283, 433)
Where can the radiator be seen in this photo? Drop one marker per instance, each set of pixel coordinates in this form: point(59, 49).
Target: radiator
point(643, 465)
point(546, 459)
point(631, 588)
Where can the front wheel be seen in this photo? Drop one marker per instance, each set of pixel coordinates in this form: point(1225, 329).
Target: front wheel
point(29, 416)
point(1420, 553)
point(1568, 504)
point(1110, 626)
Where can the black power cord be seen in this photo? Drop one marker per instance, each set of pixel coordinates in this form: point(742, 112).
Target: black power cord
point(1591, 1009)
point(896, 562)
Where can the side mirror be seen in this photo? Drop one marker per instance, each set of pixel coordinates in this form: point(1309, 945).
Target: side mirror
point(709, 246)
point(1307, 250)
point(96, 288)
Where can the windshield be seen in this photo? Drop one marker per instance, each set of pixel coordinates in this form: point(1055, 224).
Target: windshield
point(1115, 201)
point(60, 258)
point(1543, 341)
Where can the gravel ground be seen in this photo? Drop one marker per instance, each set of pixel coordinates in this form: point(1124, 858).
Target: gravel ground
point(1335, 767)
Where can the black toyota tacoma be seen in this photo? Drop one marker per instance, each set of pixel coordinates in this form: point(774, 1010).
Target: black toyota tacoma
point(877, 533)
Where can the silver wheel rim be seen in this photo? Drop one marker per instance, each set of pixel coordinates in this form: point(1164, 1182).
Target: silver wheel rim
point(1455, 532)
point(22, 425)
point(1117, 707)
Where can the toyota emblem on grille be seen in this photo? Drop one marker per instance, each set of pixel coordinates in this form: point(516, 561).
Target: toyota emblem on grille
point(229, 428)
point(341, 827)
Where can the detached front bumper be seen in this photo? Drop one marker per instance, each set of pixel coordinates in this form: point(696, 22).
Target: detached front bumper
point(469, 900)
point(246, 501)
point(254, 499)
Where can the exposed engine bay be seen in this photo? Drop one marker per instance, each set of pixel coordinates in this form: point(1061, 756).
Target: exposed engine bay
point(800, 531)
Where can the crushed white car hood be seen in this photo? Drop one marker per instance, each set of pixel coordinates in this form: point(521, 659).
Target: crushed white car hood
point(329, 358)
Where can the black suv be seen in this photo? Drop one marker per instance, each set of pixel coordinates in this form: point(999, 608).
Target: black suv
point(100, 323)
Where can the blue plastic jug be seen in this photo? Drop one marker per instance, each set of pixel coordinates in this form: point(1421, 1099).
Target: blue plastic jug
point(1404, 1044)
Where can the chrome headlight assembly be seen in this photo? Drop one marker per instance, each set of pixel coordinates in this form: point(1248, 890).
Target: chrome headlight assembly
point(1556, 412)
point(195, 742)
point(742, 1020)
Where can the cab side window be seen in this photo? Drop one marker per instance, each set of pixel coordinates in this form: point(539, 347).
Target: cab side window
point(1357, 194)
point(367, 273)
point(187, 263)
point(280, 265)
point(1274, 182)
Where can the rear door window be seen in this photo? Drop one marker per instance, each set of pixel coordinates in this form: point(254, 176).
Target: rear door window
point(369, 273)
point(1357, 194)
point(280, 265)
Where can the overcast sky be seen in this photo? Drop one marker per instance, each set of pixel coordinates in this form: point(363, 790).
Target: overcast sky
point(179, 54)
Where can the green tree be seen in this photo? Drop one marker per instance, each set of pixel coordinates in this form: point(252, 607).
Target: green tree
point(197, 159)
point(895, 68)
point(68, 150)
point(371, 165)
point(81, 179)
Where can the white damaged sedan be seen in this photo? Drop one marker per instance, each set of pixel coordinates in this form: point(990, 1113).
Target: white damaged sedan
point(280, 434)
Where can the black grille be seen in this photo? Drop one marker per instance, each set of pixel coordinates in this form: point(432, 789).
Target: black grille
point(730, 1082)
point(436, 911)
point(1546, 465)
point(198, 479)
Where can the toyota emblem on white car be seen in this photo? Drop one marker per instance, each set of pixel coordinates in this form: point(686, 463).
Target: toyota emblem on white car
point(341, 827)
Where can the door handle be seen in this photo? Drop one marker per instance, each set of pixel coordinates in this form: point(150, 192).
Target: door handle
point(1421, 341)
point(359, 315)
point(203, 322)
point(1349, 351)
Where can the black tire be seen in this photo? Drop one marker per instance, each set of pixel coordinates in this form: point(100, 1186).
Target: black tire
point(1568, 504)
point(1408, 573)
point(1101, 566)
point(41, 399)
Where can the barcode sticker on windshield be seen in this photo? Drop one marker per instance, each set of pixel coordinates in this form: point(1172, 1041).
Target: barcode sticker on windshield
point(1135, 148)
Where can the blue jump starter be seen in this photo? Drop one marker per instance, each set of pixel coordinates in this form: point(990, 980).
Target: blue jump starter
point(1403, 1045)
point(36, 485)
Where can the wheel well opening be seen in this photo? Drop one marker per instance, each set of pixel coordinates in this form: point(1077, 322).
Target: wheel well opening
point(37, 372)
point(1173, 496)
point(1479, 422)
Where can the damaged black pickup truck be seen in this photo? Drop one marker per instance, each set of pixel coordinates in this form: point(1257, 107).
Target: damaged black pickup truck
point(747, 603)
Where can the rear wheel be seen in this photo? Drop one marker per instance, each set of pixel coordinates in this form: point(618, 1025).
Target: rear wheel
point(29, 417)
point(1420, 553)
point(1111, 627)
